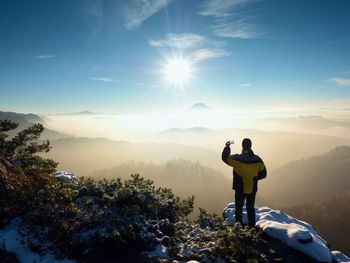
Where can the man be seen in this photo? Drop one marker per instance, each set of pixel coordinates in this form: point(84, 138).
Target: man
point(248, 168)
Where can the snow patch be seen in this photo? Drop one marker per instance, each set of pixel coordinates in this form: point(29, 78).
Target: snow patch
point(11, 240)
point(293, 232)
point(339, 257)
point(65, 176)
point(160, 251)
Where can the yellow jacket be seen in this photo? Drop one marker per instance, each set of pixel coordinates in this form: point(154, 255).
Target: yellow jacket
point(248, 168)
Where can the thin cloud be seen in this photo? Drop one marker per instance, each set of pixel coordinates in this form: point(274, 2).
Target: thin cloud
point(341, 81)
point(139, 10)
point(231, 18)
point(197, 47)
point(179, 41)
point(93, 9)
point(207, 53)
point(246, 85)
point(46, 56)
point(221, 8)
point(346, 72)
point(103, 79)
point(236, 29)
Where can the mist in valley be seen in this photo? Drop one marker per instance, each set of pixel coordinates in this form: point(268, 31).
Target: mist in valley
point(117, 145)
point(105, 140)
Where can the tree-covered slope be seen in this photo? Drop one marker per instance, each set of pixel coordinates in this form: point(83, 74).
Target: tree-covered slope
point(26, 120)
point(330, 217)
point(308, 180)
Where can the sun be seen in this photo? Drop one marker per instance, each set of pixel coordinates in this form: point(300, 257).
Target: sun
point(178, 71)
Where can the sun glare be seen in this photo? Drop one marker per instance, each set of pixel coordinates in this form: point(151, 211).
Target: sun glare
point(178, 71)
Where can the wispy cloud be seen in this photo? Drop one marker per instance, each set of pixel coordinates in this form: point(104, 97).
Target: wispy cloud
point(138, 11)
point(179, 41)
point(45, 56)
point(93, 9)
point(341, 81)
point(346, 72)
point(231, 18)
point(246, 85)
point(195, 46)
point(209, 53)
point(221, 8)
point(237, 29)
point(103, 79)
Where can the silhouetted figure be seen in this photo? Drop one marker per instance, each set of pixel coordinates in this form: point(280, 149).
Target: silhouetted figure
point(248, 168)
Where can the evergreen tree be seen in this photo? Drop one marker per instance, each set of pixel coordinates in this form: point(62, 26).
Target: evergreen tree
point(25, 145)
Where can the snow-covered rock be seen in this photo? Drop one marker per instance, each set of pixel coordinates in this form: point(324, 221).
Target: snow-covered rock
point(340, 257)
point(160, 251)
point(11, 240)
point(65, 176)
point(293, 232)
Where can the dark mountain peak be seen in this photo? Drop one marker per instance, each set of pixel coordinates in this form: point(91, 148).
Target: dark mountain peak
point(81, 113)
point(85, 112)
point(200, 106)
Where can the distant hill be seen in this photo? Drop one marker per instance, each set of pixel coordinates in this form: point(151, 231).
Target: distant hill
point(330, 217)
point(84, 112)
point(21, 117)
point(85, 155)
point(211, 188)
point(311, 121)
point(200, 106)
point(27, 120)
point(275, 147)
point(308, 180)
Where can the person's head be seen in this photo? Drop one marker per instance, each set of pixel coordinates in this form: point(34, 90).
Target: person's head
point(246, 144)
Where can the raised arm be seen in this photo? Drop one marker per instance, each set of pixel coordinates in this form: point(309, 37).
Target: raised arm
point(225, 153)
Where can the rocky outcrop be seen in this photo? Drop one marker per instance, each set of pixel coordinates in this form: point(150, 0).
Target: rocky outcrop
point(288, 236)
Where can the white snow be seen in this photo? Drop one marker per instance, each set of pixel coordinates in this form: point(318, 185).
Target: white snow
point(340, 257)
point(293, 232)
point(11, 240)
point(65, 176)
point(160, 251)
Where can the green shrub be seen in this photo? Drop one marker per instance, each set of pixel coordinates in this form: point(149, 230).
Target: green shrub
point(210, 238)
point(108, 218)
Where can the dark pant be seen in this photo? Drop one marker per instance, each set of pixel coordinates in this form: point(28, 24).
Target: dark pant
point(239, 201)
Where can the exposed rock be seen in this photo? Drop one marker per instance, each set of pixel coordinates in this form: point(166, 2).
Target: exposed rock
point(65, 176)
point(293, 233)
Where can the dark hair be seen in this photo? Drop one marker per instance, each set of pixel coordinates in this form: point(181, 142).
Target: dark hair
point(246, 144)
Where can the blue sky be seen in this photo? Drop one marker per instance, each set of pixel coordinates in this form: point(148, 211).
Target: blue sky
point(109, 56)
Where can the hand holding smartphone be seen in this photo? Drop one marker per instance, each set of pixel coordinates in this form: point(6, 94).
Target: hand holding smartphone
point(228, 143)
